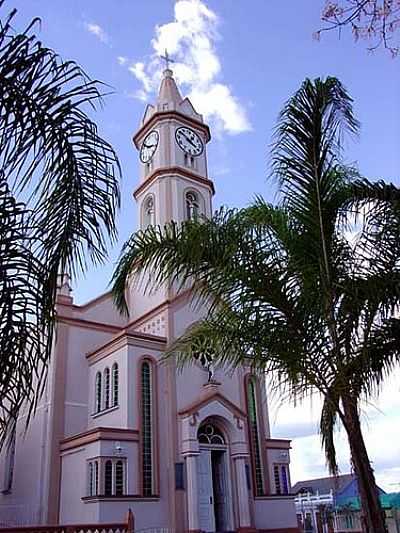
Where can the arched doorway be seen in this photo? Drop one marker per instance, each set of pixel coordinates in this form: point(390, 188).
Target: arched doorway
point(214, 480)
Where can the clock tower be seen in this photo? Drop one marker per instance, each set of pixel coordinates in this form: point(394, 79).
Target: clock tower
point(171, 141)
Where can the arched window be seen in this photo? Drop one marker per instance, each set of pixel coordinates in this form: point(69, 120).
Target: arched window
point(106, 388)
point(98, 393)
point(115, 384)
point(119, 478)
point(210, 434)
point(108, 478)
point(254, 435)
point(147, 428)
point(148, 212)
point(192, 206)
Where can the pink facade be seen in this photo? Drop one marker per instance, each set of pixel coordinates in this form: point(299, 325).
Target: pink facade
point(118, 429)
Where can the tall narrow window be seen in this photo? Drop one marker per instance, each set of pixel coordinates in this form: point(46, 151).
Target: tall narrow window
point(254, 436)
point(115, 384)
point(192, 206)
point(277, 480)
point(96, 477)
point(98, 392)
point(285, 482)
point(149, 212)
point(106, 388)
point(119, 478)
point(108, 478)
point(91, 479)
point(9, 463)
point(147, 437)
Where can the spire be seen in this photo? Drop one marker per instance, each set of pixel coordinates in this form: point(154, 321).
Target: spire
point(169, 96)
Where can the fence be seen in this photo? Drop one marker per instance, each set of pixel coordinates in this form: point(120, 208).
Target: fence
point(126, 527)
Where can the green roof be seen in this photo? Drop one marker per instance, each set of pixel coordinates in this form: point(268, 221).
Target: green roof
point(388, 501)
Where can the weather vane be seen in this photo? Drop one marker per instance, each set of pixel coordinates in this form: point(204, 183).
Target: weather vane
point(167, 59)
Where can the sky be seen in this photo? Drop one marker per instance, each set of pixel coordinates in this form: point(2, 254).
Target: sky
point(238, 61)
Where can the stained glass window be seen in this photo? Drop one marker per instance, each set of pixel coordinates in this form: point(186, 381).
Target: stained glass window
point(285, 484)
point(115, 385)
point(147, 438)
point(254, 437)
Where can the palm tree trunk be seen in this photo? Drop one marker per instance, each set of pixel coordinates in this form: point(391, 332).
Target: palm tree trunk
point(372, 516)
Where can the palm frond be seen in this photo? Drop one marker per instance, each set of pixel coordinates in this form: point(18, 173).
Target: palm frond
point(59, 188)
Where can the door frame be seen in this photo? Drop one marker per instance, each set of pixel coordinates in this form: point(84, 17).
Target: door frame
point(228, 481)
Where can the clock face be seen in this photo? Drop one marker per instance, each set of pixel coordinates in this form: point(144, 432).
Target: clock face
point(149, 146)
point(189, 141)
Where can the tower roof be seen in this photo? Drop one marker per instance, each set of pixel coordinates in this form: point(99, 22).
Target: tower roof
point(169, 96)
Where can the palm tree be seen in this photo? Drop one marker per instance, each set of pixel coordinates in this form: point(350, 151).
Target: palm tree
point(59, 191)
point(288, 289)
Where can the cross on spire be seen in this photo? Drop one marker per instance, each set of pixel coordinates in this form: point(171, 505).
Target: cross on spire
point(167, 59)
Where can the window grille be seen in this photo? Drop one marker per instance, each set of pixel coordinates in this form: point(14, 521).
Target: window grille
point(254, 437)
point(106, 388)
point(115, 384)
point(277, 480)
point(119, 478)
point(98, 392)
point(147, 437)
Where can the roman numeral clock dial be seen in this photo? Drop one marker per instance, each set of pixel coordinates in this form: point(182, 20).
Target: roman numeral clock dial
point(149, 146)
point(189, 141)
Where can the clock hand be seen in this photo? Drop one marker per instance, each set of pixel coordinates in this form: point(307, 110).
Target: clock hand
point(189, 140)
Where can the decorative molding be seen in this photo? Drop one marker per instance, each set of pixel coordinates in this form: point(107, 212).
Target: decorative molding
point(99, 433)
point(193, 421)
point(88, 324)
point(167, 171)
point(166, 115)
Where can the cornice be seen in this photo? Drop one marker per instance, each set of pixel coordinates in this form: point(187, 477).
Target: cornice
point(165, 115)
point(126, 338)
point(278, 444)
point(88, 324)
point(100, 433)
point(167, 171)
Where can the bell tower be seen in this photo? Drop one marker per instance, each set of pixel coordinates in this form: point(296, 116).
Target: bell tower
point(172, 144)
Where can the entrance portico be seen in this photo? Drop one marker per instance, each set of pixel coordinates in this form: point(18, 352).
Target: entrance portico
point(215, 449)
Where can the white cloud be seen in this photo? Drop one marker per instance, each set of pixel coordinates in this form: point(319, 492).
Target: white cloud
point(122, 60)
point(190, 39)
point(97, 31)
point(380, 419)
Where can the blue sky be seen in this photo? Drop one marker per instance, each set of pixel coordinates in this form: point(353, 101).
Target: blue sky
point(254, 56)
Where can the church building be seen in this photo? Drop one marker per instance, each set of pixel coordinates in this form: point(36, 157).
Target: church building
point(118, 429)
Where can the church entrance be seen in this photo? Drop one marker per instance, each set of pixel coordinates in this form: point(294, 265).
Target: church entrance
point(213, 480)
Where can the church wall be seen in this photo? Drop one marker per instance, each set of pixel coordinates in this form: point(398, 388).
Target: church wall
point(77, 383)
point(22, 505)
point(102, 310)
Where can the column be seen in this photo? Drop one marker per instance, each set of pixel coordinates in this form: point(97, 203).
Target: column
point(243, 494)
point(192, 494)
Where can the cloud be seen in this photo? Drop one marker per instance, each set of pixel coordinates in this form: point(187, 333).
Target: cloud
point(381, 429)
point(190, 39)
point(97, 31)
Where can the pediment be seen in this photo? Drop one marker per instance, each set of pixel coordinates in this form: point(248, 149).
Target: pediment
point(206, 400)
